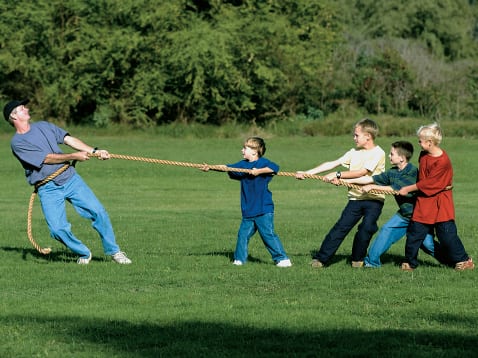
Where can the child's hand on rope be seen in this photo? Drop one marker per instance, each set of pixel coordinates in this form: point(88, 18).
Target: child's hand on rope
point(102, 154)
point(300, 175)
point(204, 167)
point(403, 191)
point(255, 172)
point(331, 178)
point(366, 188)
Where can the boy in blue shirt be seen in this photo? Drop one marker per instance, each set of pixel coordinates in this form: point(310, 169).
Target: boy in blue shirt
point(256, 202)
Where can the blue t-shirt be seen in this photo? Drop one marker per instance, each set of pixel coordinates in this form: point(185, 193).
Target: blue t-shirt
point(397, 179)
point(31, 149)
point(256, 198)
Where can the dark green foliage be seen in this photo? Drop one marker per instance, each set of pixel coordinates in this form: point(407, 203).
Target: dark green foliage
point(445, 26)
point(144, 63)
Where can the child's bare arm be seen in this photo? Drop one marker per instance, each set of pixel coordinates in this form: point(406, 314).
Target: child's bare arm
point(260, 171)
point(363, 180)
point(370, 187)
point(349, 174)
point(319, 169)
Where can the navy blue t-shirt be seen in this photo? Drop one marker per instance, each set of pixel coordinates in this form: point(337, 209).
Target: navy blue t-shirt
point(32, 147)
point(256, 198)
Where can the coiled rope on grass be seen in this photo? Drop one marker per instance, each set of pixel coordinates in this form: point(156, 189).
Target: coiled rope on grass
point(46, 250)
point(221, 168)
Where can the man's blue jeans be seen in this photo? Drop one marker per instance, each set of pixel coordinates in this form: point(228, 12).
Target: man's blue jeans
point(75, 191)
point(392, 231)
point(265, 225)
point(368, 211)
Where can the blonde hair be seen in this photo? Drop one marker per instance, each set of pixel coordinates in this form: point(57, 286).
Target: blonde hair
point(368, 126)
point(431, 132)
point(257, 144)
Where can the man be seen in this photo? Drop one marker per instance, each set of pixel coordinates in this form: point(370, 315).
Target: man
point(36, 146)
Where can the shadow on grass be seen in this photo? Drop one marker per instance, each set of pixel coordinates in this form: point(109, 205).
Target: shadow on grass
point(67, 256)
point(55, 256)
point(385, 259)
point(203, 339)
point(334, 260)
point(398, 259)
point(25, 253)
point(230, 256)
point(252, 259)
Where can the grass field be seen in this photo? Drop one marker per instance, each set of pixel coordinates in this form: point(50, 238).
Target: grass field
point(182, 297)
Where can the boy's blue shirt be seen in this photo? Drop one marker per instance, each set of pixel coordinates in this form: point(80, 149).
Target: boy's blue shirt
point(256, 198)
point(397, 179)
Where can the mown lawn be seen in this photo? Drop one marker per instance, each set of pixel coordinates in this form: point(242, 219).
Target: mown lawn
point(182, 297)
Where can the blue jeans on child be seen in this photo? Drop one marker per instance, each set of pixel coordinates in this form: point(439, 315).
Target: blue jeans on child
point(77, 192)
point(392, 231)
point(367, 210)
point(265, 225)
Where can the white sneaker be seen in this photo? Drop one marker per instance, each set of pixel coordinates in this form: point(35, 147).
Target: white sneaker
point(84, 260)
point(121, 258)
point(284, 263)
point(237, 263)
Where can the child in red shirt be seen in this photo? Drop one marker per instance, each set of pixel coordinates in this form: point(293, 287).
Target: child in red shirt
point(434, 208)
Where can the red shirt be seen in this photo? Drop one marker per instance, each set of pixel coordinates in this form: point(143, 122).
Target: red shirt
point(434, 202)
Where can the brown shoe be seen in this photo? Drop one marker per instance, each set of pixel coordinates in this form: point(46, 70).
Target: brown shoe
point(357, 264)
point(316, 263)
point(406, 267)
point(465, 265)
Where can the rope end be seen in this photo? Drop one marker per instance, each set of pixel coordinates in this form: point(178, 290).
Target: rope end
point(45, 251)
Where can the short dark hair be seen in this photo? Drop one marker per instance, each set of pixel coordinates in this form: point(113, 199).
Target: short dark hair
point(403, 148)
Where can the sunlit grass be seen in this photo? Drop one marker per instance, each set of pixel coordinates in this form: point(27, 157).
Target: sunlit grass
point(182, 297)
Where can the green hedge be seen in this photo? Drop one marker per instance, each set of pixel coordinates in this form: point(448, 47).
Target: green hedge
point(144, 63)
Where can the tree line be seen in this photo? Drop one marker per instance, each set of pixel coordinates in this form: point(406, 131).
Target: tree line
point(146, 63)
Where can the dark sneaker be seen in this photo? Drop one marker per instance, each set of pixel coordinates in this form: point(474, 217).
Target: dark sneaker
point(316, 263)
point(406, 267)
point(465, 265)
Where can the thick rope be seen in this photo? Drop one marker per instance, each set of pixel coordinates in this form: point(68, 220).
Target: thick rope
point(46, 250)
point(224, 168)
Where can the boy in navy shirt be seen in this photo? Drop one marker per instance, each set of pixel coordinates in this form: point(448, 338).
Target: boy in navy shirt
point(256, 202)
